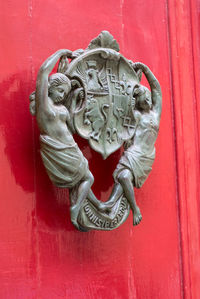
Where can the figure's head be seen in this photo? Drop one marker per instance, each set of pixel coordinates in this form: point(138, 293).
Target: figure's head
point(143, 97)
point(59, 86)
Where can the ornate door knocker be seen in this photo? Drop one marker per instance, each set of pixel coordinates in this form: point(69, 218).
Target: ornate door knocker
point(99, 96)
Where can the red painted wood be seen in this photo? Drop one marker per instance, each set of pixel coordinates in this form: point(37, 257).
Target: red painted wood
point(41, 253)
point(185, 91)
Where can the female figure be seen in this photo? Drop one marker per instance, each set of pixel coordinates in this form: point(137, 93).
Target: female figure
point(63, 160)
point(136, 162)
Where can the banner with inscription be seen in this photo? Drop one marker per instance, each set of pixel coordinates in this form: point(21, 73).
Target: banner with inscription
point(90, 218)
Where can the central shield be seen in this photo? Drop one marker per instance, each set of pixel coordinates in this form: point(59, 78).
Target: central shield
point(105, 116)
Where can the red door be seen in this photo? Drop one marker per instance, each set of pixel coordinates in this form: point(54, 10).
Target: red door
point(41, 254)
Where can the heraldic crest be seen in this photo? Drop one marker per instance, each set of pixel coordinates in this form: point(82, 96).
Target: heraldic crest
point(97, 93)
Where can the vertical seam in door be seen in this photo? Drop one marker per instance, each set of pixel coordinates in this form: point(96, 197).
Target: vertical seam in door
point(194, 83)
point(175, 148)
point(34, 216)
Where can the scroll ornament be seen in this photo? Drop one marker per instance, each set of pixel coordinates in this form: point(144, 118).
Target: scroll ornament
point(98, 95)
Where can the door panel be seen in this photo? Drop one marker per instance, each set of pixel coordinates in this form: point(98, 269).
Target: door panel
point(41, 254)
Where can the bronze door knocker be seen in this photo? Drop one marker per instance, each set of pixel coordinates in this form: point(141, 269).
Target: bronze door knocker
point(99, 96)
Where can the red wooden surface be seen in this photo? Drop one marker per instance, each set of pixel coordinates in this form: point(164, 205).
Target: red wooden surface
point(41, 253)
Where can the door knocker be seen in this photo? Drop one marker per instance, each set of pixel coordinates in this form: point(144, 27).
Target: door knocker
point(99, 96)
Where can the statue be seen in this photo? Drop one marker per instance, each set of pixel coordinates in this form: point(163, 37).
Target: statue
point(99, 96)
point(136, 162)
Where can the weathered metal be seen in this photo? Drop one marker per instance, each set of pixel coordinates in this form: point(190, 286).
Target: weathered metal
point(99, 96)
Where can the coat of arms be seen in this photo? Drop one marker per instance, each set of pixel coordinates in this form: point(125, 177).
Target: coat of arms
point(105, 118)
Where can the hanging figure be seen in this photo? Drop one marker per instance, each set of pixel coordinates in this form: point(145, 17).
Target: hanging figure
point(62, 158)
point(136, 162)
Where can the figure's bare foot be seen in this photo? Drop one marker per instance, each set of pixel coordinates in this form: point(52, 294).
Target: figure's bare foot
point(74, 211)
point(137, 217)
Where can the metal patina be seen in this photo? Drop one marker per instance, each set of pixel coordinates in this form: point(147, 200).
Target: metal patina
point(99, 96)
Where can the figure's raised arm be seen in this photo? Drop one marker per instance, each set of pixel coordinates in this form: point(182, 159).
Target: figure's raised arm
point(156, 93)
point(42, 78)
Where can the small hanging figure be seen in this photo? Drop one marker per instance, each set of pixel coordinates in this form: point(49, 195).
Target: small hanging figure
point(136, 162)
